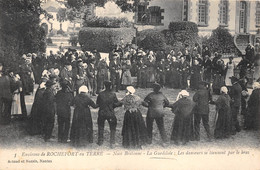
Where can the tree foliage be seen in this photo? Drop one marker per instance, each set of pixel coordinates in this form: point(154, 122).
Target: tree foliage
point(20, 29)
point(79, 3)
point(220, 41)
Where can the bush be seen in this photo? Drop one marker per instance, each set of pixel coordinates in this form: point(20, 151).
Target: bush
point(220, 41)
point(151, 40)
point(73, 40)
point(187, 26)
point(104, 39)
point(107, 22)
point(182, 34)
point(49, 41)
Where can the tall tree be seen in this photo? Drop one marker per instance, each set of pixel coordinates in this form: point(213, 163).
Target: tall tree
point(20, 30)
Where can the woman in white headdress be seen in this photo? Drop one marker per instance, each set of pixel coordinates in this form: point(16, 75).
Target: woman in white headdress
point(134, 131)
point(252, 117)
point(82, 126)
point(182, 131)
point(223, 115)
point(35, 125)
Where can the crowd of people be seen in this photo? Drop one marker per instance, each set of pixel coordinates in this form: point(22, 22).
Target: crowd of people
point(71, 78)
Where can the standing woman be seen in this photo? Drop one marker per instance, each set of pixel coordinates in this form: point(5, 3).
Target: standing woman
point(126, 75)
point(175, 79)
point(134, 131)
point(229, 71)
point(182, 130)
point(82, 126)
point(223, 119)
point(150, 70)
point(252, 118)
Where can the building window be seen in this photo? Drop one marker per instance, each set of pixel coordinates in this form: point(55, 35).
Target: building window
point(185, 10)
point(257, 14)
point(141, 14)
point(223, 13)
point(203, 13)
point(155, 15)
point(242, 17)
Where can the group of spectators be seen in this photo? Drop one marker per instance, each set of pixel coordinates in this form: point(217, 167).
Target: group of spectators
point(65, 79)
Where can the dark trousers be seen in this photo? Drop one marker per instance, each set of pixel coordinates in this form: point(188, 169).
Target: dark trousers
point(115, 80)
point(63, 128)
point(235, 123)
point(160, 124)
point(112, 121)
point(93, 85)
point(23, 106)
point(48, 126)
point(205, 121)
point(5, 110)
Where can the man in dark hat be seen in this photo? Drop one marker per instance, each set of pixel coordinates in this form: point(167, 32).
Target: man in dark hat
point(49, 109)
point(183, 69)
point(114, 67)
point(91, 73)
point(235, 95)
point(63, 101)
point(6, 90)
point(107, 101)
point(202, 98)
point(66, 74)
point(156, 102)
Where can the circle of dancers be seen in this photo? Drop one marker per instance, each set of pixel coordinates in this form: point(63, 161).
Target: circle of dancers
point(71, 79)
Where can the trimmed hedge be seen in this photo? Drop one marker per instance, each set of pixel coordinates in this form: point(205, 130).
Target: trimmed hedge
point(220, 41)
point(107, 22)
point(182, 34)
point(151, 40)
point(104, 39)
point(183, 26)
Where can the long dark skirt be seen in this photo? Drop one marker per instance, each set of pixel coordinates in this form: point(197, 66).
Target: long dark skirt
point(175, 79)
point(195, 80)
point(82, 128)
point(223, 125)
point(134, 131)
point(35, 122)
point(218, 82)
point(182, 130)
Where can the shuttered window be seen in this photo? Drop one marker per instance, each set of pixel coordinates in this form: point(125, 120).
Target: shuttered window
point(223, 13)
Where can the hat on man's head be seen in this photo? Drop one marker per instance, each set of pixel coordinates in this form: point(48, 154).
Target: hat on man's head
point(157, 86)
point(107, 83)
point(49, 83)
point(234, 79)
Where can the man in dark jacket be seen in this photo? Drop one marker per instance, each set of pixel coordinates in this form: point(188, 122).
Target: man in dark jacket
point(114, 68)
point(183, 69)
point(207, 66)
point(107, 101)
point(156, 102)
point(161, 72)
point(6, 90)
point(49, 108)
point(63, 100)
point(201, 111)
point(235, 94)
point(102, 74)
point(91, 73)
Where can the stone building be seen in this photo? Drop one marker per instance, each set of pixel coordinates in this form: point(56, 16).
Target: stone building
point(239, 16)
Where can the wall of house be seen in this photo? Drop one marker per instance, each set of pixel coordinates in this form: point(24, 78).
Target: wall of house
point(174, 11)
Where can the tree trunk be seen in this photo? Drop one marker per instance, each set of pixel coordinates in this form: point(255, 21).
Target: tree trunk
point(61, 26)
